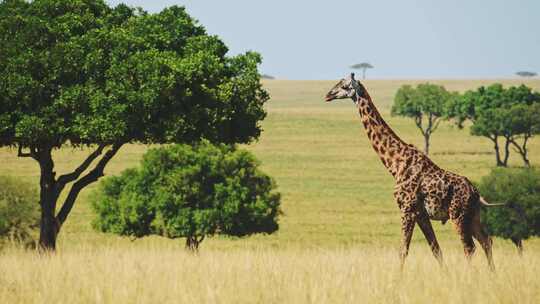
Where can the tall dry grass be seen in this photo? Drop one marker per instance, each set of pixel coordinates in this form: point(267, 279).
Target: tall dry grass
point(168, 274)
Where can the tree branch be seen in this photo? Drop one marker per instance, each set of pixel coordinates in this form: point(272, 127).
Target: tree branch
point(84, 181)
point(437, 121)
point(522, 150)
point(418, 122)
point(32, 153)
point(67, 178)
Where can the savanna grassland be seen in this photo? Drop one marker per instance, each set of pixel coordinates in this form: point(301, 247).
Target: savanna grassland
point(339, 235)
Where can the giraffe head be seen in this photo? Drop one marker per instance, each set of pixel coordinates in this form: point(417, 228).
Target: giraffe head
point(347, 87)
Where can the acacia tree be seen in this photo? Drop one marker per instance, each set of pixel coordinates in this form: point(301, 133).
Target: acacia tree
point(526, 74)
point(81, 74)
point(362, 66)
point(184, 191)
point(499, 113)
point(426, 104)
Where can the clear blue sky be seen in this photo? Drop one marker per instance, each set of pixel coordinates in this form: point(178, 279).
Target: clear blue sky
point(302, 39)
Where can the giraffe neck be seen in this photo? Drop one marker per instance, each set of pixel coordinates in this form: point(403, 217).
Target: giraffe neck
point(389, 147)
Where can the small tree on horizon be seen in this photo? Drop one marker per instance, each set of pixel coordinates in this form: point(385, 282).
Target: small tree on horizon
point(526, 74)
point(362, 66)
point(81, 74)
point(426, 105)
point(189, 192)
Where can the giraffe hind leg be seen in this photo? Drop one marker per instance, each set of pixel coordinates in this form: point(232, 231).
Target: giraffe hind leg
point(463, 226)
point(429, 234)
point(483, 238)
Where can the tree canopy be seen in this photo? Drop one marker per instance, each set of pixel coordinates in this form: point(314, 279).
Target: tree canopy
point(427, 104)
point(526, 74)
point(519, 189)
point(499, 113)
point(80, 73)
point(189, 191)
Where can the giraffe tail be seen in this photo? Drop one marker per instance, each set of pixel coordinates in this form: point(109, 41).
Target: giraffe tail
point(485, 203)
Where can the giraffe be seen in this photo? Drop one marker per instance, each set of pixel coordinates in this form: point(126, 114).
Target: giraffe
point(423, 191)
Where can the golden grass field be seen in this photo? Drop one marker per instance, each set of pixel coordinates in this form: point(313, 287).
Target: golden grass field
point(339, 235)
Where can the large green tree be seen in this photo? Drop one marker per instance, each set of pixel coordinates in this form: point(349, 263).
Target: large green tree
point(507, 116)
point(426, 105)
point(82, 74)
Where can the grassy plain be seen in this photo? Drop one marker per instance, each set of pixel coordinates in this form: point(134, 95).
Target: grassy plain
point(338, 238)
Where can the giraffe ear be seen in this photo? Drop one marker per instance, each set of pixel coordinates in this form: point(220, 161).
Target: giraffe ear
point(352, 76)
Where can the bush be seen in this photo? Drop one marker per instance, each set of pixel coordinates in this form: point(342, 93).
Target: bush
point(19, 211)
point(519, 189)
point(189, 191)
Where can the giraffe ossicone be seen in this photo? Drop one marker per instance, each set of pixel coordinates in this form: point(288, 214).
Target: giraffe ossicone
point(423, 191)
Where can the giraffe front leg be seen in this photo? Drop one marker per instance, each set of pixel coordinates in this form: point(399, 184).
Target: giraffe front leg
point(407, 200)
point(408, 220)
point(427, 229)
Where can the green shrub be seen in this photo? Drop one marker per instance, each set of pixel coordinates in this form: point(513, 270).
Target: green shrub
point(19, 211)
point(519, 189)
point(189, 191)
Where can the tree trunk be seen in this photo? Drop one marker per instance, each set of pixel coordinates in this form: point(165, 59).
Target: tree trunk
point(48, 228)
point(426, 143)
point(525, 159)
point(47, 200)
point(497, 152)
point(50, 189)
point(192, 244)
point(522, 150)
point(506, 152)
point(364, 73)
point(518, 244)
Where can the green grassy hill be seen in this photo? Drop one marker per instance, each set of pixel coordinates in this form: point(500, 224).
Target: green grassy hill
point(335, 190)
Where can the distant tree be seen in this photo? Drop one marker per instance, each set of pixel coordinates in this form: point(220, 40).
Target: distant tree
point(266, 76)
point(426, 104)
point(526, 74)
point(78, 73)
point(500, 113)
point(362, 66)
point(525, 121)
point(19, 211)
point(519, 189)
point(191, 192)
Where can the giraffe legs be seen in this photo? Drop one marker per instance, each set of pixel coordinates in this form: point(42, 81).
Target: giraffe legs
point(408, 220)
point(407, 200)
point(427, 229)
point(463, 227)
point(483, 238)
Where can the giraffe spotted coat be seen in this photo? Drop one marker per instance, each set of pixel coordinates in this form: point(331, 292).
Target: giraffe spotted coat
point(423, 191)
